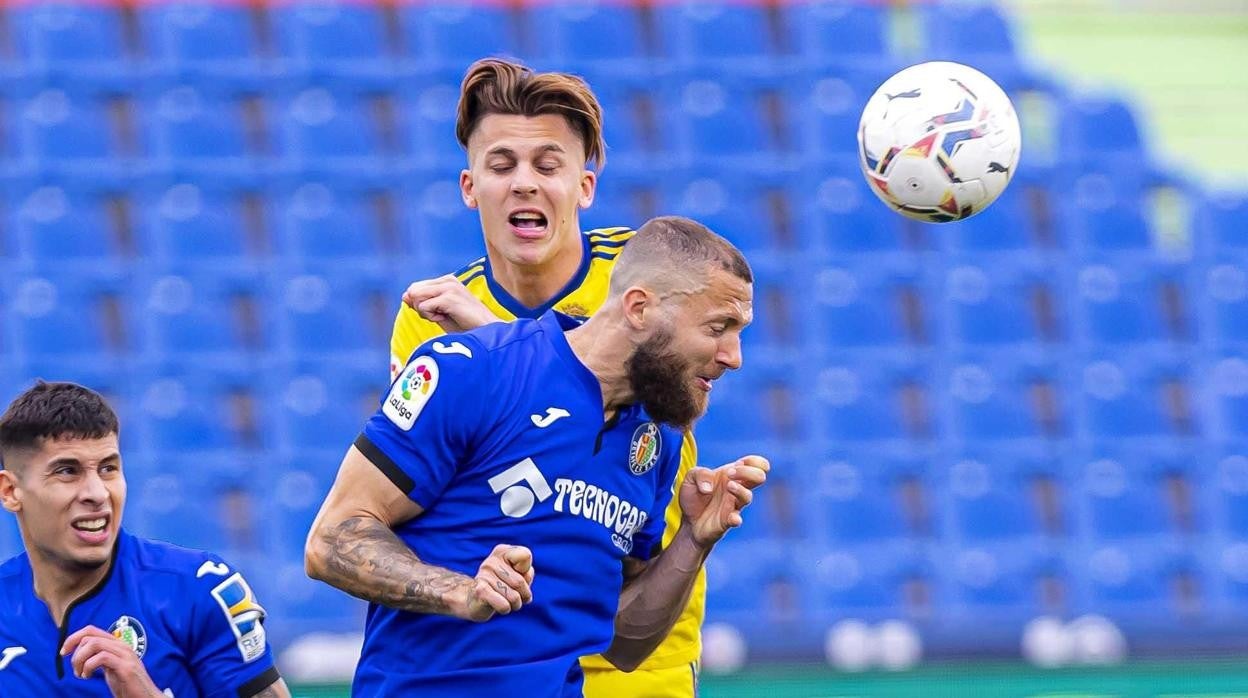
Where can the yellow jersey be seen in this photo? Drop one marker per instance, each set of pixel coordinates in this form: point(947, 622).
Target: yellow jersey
point(582, 296)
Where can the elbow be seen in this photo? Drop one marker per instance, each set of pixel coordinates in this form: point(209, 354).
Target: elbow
point(623, 660)
point(315, 556)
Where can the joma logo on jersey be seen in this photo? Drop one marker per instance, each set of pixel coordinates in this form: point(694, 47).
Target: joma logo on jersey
point(621, 517)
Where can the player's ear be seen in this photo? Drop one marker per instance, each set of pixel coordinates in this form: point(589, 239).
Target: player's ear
point(589, 186)
point(8, 491)
point(639, 307)
point(466, 189)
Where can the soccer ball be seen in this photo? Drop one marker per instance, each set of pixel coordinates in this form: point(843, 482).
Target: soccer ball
point(938, 142)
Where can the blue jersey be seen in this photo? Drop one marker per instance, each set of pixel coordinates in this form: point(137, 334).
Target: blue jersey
point(499, 435)
point(191, 618)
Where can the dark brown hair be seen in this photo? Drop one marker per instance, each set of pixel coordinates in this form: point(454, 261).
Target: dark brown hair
point(51, 411)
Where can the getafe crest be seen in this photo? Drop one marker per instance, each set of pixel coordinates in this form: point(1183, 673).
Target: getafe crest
point(130, 631)
point(643, 453)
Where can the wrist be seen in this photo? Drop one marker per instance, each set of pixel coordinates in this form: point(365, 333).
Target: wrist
point(687, 538)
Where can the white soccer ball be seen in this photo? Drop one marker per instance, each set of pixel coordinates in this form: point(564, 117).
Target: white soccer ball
point(939, 142)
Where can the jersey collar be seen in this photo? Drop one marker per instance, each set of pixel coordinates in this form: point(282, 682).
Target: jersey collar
point(519, 309)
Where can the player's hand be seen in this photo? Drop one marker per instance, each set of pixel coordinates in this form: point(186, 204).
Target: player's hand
point(712, 500)
point(503, 583)
point(448, 302)
point(93, 650)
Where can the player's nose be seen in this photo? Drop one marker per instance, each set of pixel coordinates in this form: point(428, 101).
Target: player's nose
point(92, 489)
point(729, 355)
point(523, 182)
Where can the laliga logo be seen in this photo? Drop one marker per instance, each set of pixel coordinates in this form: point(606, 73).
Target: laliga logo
point(416, 379)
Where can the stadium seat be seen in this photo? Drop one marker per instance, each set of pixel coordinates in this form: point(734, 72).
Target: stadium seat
point(870, 583)
point(1224, 295)
point(1227, 563)
point(214, 318)
point(859, 498)
point(973, 34)
point(323, 404)
point(877, 398)
point(69, 132)
point(334, 131)
point(1221, 221)
point(1016, 396)
point(840, 33)
point(747, 37)
point(67, 318)
point(1225, 389)
point(1228, 490)
point(1136, 584)
point(331, 38)
point(331, 224)
point(880, 304)
point(731, 120)
point(756, 212)
point(1135, 394)
point(199, 224)
point(313, 308)
point(606, 36)
point(440, 227)
point(826, 108)
point(1132, 301)
point(843, 217)
point(429, 109)
point(996, 302)
point(639, 140)
point(1001, 496)
point(1108, 212)
point(1003, 585)
point(452, 35)
point(73, 39)
point(1134, 493)
point(762, 566)
point(205, 39)
point(1009, 224)
point(628, 198)
point(203, 131)
point(186, 408)
point(1100, 130)
point(70, 226)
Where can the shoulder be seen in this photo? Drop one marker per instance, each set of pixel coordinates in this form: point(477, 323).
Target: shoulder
point(181, 568)
point(14, 566)
point(605, 243)
point(470, 271)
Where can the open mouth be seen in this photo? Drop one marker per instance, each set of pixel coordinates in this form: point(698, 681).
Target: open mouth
point(528, 222)
point(705, 383)
point(91, 529)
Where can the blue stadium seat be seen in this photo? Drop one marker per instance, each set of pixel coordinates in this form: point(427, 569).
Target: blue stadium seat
point(992, 496)
point(995, 302)
point(639, 140)
point(731, 120)
point(827, 109)
point(1108, 212)
point(1135, 583)
point(756, 212)
point(856, 498)
point(452, 35)
point(209, 39)
point(1009, 224)
point(1132, 301)
point(602, 35)
point(629, 199)
point(1226, 394)
point(883, 303)
point(745, 410)
point(81, 40)
point(1003, 584)
point(844, 217)
point(70, 225)
point(334, 38)
point(202, 131)
point(191, 408)
point(1137, 493)
point(312, 310)
point(429, 109)
point(67, 318)
point(328, 225)
point(1228, 490)
point(977, 35)
point(740, 35)
point(324, 405)
point(870, 583)
point(764, 567)
point(838, 32)
point(1015, 396)
point(1098, 129)
point(1224, 295)
point(1135, 394)
point(440, 227)
point(1223, 221)
point(1227, 562)
point(199, 224)
point(213, 318)
point(880, 398)
point(64, 131)
point(333, 131)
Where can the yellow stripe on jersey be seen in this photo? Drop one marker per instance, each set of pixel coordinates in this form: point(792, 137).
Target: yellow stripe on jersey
point(683, 645)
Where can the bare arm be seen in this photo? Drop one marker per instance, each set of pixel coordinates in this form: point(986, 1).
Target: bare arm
point(352, 546)
point(653, 597)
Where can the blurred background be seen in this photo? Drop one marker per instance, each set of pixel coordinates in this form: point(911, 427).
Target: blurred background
point(1011, 453)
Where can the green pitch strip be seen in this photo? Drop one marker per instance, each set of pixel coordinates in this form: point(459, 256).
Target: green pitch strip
point(1138, 680)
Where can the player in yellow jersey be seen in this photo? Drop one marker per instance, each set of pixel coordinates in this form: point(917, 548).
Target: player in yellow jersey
point(531, 140)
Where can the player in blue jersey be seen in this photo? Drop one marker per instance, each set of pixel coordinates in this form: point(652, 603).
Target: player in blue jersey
point(503, 508)
point(90, 610)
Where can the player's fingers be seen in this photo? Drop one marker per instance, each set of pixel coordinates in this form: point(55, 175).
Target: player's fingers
point(512, 580)
point(702, 478)
point(756, 462)
point(108, 658)
point(87, 649)
point(495, 593)
point(518, 557)
point(749, 476)
point(72, 642)
point(530, 574)
point(429, 288)
point(742, 494)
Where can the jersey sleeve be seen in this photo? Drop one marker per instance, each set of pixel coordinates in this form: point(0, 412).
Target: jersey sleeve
point(431, 418)
point(228, 652)
point(646, 542)
point(410, 331)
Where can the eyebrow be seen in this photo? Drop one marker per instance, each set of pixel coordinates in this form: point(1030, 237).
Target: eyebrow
point(508, 152)
point(67, 460)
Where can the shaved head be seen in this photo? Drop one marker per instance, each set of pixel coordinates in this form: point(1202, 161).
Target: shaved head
point(672, 255)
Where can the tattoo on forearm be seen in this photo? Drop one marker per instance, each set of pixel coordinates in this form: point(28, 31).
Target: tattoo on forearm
point(367, 560)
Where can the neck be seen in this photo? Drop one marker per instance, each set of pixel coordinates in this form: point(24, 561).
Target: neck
point(59, 585)
point(604, 349)
point(535, 285)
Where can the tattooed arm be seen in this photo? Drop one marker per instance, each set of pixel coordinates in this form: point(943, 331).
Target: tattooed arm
point(352, 546)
